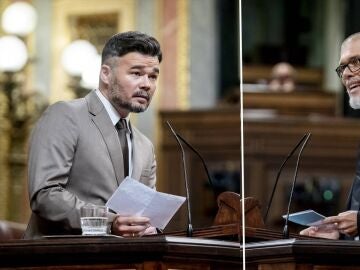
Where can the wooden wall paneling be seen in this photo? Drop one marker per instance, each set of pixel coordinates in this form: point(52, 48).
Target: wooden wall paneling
point(294, 103)
point(331, 152)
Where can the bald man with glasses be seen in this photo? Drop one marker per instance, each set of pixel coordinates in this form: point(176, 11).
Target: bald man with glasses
point(345, 224)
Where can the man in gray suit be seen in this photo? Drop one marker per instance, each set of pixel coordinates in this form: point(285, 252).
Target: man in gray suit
point(76, 156)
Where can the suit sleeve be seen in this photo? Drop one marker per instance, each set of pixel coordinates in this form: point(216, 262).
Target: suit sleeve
point(148, 161)
point(52, 147)
point(152, 176)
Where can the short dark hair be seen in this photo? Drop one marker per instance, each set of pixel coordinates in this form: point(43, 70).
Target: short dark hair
point(132, 41)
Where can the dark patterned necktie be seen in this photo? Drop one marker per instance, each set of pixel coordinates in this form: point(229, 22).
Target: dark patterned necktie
point(122, 130)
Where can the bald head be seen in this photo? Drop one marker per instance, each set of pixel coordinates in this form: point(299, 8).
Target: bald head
point(350, 49)
point(350, 39)
point(283, 69)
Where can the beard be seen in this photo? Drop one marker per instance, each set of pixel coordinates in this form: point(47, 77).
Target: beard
point(354, 102)
point(118, 100)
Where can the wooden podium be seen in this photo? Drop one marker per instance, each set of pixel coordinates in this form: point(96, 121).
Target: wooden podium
point(264, 249)
point(146, 253)
point(168, 252)
point(267, 250)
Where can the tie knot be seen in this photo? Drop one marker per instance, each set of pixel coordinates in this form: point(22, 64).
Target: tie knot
point(121, 124)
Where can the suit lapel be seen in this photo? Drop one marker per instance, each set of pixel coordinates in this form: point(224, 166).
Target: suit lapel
point(102, 120)
point(137, 161)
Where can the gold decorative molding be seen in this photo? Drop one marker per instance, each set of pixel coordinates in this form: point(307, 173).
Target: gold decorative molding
point(66, 13)
point(4, 142)
point(157, 22)
point(3, 5)
point(18, 110)
point(183, 41)
point(5, 130)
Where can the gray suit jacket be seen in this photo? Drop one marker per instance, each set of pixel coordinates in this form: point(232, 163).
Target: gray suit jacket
point(74, 159)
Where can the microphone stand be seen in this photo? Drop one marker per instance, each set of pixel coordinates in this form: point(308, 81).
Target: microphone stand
point(286, 228)
point(278, 176)
point(189, 231)
point(201, 158)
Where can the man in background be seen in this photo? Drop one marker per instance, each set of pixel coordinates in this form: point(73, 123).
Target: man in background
point(283, 78)
point(81, 150)
point(345, 224)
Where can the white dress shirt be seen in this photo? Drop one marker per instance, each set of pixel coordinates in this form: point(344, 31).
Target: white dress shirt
point(115, 117)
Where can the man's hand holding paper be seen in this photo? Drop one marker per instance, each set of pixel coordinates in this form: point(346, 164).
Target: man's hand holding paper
point(331, 227)
point(132, 226)
point(329, 232)
point(140, 209)
point(345, 222)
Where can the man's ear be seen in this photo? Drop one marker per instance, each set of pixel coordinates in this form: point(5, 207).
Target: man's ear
point(105, 74)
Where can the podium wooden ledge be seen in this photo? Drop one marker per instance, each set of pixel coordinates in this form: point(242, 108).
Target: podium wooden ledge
point(303, 254)
point(169, 252)
point(157, 252)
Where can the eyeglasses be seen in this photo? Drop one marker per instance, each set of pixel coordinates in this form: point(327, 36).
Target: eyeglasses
point(353, 65)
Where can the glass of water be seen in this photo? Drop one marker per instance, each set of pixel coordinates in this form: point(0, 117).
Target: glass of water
point(94, 219)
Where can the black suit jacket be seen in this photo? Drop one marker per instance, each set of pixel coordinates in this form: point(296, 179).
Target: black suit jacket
point(353, 200)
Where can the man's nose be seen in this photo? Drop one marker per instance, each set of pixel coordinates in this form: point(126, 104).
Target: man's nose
point(145, 82)
point(347, 73)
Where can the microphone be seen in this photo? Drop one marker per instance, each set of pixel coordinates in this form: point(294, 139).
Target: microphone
point(190, 228)
point(286, 229)
point(278, 176)
point(199, 155)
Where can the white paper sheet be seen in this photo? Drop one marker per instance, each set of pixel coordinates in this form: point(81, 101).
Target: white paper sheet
point(133, 198)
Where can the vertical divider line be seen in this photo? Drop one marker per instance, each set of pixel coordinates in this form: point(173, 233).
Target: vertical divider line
point(242, 142)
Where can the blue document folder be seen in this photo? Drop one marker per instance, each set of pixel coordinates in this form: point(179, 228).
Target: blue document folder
point(306, 218)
